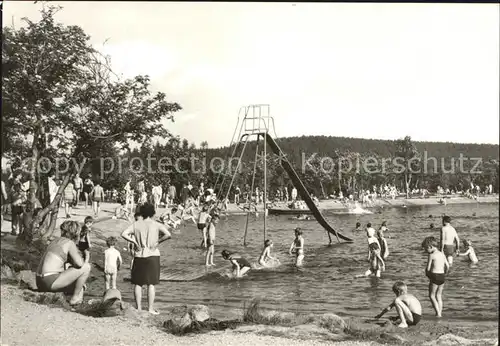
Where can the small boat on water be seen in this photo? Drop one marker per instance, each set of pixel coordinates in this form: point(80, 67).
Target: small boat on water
point(281, 211)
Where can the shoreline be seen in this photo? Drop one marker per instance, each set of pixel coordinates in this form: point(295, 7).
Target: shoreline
point(335, 205)
point(141, 328)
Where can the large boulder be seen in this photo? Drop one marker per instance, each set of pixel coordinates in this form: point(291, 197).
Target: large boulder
point(27, 278)
point(182, 317)
point(199, 313)
point(111, 304)
point(111, 295)
point(332, 322)
point(7, 273)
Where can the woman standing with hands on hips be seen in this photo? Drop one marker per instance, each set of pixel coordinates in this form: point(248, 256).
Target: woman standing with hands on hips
point(145, 235)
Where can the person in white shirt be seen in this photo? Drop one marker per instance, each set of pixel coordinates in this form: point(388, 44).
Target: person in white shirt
point(112, 262)
point(294, 194)
point(156, 191)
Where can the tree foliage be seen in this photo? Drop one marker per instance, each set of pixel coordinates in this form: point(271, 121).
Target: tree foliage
point(62, 92)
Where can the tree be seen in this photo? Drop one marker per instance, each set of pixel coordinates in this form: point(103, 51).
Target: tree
point(56, 86)
point(408, 159)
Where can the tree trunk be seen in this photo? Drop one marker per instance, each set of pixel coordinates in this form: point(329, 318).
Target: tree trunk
point(26, 234)
point(322, 189)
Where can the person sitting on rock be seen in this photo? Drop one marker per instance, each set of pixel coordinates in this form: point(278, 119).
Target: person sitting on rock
point(51, 275)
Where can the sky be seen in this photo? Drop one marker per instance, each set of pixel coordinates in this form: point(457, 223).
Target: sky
point(430, 71)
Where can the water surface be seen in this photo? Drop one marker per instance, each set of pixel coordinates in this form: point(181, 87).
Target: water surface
point(327, 283)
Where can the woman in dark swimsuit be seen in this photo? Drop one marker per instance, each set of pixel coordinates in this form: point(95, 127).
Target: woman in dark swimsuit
point(51, 275)
point(88, 186)
point(240, 265)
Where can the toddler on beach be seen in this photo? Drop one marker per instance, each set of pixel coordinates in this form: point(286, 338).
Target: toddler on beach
point(122, 212)
point(112, 263)
point(84, 240)
point(436, 269)
point(407, 305)
point(469, 252)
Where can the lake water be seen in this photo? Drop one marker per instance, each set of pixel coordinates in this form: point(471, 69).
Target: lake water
point(326, 283)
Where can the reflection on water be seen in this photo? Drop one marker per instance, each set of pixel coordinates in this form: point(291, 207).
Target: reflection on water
point(327, 282)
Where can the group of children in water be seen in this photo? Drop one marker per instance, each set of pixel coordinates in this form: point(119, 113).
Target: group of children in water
point(440, 260)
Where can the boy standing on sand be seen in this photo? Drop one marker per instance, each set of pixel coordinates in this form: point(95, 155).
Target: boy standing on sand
point(407, 305)
point(448, 238)
point(437, 267)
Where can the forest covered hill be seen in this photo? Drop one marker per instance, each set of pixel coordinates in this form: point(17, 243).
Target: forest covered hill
point(327, 145)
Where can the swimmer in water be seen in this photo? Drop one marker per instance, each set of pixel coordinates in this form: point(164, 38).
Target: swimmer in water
point(431, 226)
point(358, 227)
point(469, 252)
point(298, 247)
point(265, 256)
point(240, 265)
point(383, 227)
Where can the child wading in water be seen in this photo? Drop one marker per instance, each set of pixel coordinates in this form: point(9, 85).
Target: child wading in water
point(298, 247)
point(407, 305)
point(209, 259)
point(469, 252)
point(240, 265)
point(84, 241)
point(384, 249)
point(203, 219)
point(377, 264)
point(265, 256)
point(437, 267)
point(112, 263)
